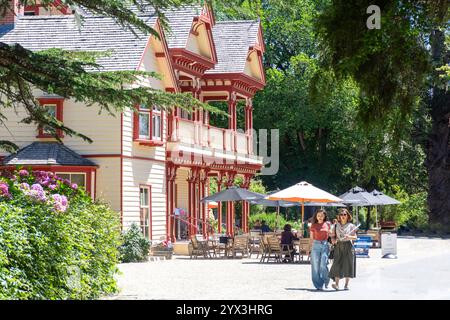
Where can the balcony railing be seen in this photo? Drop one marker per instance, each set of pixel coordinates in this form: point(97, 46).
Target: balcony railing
point(196, 133)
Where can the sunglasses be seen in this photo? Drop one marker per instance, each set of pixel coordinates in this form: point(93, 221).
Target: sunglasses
point(343, 214)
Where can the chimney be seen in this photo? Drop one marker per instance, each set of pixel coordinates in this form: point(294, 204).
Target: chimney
point(10, 14)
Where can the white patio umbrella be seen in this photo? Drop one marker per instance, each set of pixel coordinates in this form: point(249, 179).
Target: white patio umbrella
point(304, 192)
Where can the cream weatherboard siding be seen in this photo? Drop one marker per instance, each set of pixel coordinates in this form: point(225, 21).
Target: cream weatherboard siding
point(103, 129)
point(138, 172)
point(108, 181)
point(182, 188)
point(144, 165)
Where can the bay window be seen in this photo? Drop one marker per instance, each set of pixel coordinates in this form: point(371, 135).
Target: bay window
point(148, 125)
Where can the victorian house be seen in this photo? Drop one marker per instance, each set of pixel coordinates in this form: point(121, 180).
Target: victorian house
point(146, 164)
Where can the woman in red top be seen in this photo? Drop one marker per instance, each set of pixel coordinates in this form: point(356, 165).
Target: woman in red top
point(319, 233)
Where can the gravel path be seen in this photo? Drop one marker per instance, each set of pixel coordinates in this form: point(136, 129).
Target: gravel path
point(422, 271)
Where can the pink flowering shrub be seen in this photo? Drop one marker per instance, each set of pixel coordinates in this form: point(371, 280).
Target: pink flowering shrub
point(55, 241)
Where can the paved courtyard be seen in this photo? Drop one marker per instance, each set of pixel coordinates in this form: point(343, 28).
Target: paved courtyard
point(422, 271)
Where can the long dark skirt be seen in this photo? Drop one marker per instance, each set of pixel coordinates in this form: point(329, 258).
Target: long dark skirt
point(343, 262)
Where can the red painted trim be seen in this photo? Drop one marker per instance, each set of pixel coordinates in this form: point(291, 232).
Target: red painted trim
point(215, 98)
point(59, 102)
point(34, 8)
point(147, 142)
point(144, 158)
point(236, 76)
point(57, 4)
point(121, 170)
point(162, 38)
point(249, 93)
point(63, 169)
point(168, 59)
point(207, 63)
point(122, 156)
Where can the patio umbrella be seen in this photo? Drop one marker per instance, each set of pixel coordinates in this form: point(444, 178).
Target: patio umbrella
point(213, 205)
point(327, 204)
point(304, 192)
point(359, 197)
point(233, 194)
point(384, 199)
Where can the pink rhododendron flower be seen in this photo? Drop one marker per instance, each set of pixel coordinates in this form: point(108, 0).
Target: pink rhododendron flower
point(74, 186)
point(24, 173)
point(4, 190)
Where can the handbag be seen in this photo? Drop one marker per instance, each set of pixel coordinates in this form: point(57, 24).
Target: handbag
point(331, 254)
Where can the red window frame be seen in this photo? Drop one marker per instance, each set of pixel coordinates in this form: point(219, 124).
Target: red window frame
point(150, 141)
point(150, 215)
point(59, 102)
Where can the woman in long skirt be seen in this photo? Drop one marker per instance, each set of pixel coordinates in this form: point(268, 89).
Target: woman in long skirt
point(343, 267)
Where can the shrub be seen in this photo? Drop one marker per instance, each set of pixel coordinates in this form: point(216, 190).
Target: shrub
point(135, 247)
point(411, 213)
point(271, 219)
point(55, 242)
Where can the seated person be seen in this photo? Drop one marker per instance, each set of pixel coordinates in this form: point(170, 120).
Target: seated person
point(265, 227)
point(257, 225)
point(287, 237)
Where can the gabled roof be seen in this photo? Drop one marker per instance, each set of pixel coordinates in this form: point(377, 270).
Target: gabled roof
point(95, 34)
point(180, 21)
point(233, 40)
point(46, 153)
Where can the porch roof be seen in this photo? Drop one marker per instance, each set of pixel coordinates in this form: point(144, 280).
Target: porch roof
point(47, 153)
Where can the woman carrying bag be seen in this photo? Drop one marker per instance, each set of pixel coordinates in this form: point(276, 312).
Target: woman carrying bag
point(319, 233)
point(343, 260)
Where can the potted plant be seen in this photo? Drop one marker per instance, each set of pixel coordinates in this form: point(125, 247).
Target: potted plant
point(163, 249)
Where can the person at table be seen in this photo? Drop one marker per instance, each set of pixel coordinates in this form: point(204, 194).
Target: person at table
point(345, 233)
point(257, 225)
point(287, 236)
point(265, 227)
point(319, 232)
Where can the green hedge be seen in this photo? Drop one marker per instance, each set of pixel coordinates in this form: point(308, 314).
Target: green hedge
point(53, 249)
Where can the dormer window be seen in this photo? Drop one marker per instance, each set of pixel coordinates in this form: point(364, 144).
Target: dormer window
point(53, 107)
point(148, 126)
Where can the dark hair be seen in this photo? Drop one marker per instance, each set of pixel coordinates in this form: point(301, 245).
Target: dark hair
point(344, 211)
point(314, 217)
point(287, 227)
point(263, 222)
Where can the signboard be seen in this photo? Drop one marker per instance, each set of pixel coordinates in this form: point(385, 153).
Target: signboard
point(388, 243)
point(362, 246)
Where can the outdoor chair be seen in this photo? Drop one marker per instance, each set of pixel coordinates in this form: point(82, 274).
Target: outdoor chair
point(264, 245)
point(255, 242)
point(279, 251)
point(198, 248)
point(274, 247)
point(204, 248)
point(304, 248)
point(240, 244)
